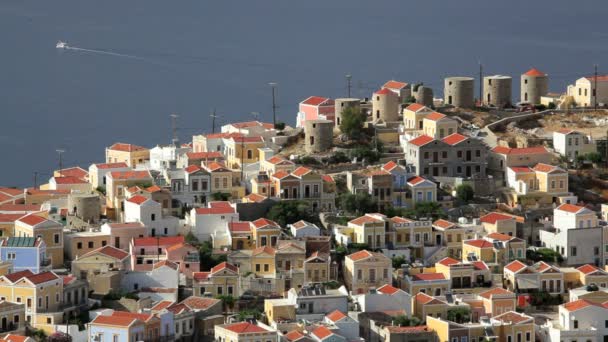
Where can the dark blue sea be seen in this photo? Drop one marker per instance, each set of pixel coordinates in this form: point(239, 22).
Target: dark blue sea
point(136, 62)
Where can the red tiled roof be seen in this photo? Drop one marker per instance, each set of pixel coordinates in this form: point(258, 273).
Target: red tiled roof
point(294, 336)
point(500, 237)
point(387, 289)
point(239, 226)
point(13, 277)
point(445, 224)
point(153, 188)
point(399, 219)
point(579, 304)
point(600, 78)
point(414, 107)
point(520, 169)
point(200, 276)
point(535, 72)
point(515, 266)
point(524, 150)
point(252, 124)
point(224, 265)
point(546, 168)
point(301, 171)
point(192, 169)
point(428, 276)
point(479, 243)
point(278, 160)
point(217, 210)
point(162, 305)
point(215, 166)
point(110, 251)
point(392, 84)
point(103, 166)
point(454, 139)
point(479, 265)
point(130, 174)
point(11, 191)
point(512, 316)
point(256, 198)
point(315, 100)
point(263, 222)
point(281, 174)
point(571, 208)
point(494, 217)
point(19, 207)
point(497, 291)
point(587, 269)
point(421, 140)
point(42, 277)
point(365, 219)
point(253, 139)
point(114, 320)
point(199, 303)
point(223, 135)
point(144, 317)
point(322, 332)
point(14, 338)
point(390, 165)
point(244, 328)
point(435, 116)
point(75, 171)
point(423, 298)
point(360, 255)
point(32, 219)
point(265, 249)
point(447, 261)
point(416, 180)
point(336, 316)
point(328, 178)
point(126, 147)
point(383, 91)
point(159, 240)
point(204, 155)
point(137, 199)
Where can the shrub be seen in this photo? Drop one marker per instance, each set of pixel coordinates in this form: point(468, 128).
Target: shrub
point(465, 192)
point(279, 126)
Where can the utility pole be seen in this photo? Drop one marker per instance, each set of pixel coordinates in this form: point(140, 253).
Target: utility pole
point(348, 85)
point(60, 152)
point(242, 154)
point(273, 86)
point(594, 92)
point(213, 116)
point(480, 83)
point(174, 140)
point(35, 179)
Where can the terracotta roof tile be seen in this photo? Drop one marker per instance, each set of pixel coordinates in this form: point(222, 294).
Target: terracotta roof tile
point(126, 147)
point(447, 261)
point(322, 332)
point(387, 289)
point(32, 219)
point(114, 320)
point(315, 101)
point(365, 219)
point(224, 265)
point(244, 328)
point(383, 91)
point(199, 303)
point(497, 291)
point(130, 175)
point(428, 276)
point(109, 251)
point(479, 243)
point(534, 72)
point(445, 224)
point(336, 316)
point(523, 150)
point(421, 140)
point(513, 317)
point(414, 107)
point(571, 208)
point(494, 217)
point(159, 240)
point(392, 84)
point(360, 255)
point(104, 166)
point(137, 199)
point(454, 139)
point(435, 116)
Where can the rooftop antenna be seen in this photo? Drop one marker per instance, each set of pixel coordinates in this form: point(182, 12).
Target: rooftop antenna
point(60, 152)
point(273, 86)
point(594, 92)
point(213, 116)
point(174, 117)
point(348, 84)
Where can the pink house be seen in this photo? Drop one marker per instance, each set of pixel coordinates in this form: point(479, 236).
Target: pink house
point(121, 234)
point(316, 107)
point(186, 256)
point(147, 251)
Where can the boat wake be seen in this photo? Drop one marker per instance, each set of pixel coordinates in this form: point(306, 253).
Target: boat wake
point(65, 46)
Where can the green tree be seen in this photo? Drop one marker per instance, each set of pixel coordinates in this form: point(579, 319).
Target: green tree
point(404, 321)
point(359, 204)
point(398, 261)
point(433, 210)
point(207, 258)
point(593, 157)
point(227, 300)
point(544, 254)
point(459, 315)
point(464, 192)
point(279, 126)
point(352, 122)
point(220, 196)
point(101, 189)
point(366, 152)
point(552, 105)
point(286, 212)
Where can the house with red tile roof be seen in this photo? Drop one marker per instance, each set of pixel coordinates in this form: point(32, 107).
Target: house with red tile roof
point(34, 225)
point(347, 327)
point(243, 150)
point(432, 284)
point(144, 209)
point(497, 301)
point(591, 274)
point(116, 184)
point(303, 228)
point(497, 222)
point(98, 172)
point(501, 158)
point(413, 116)
point(542, 182)
point(464, 275)
point(455, 155)
point(439, 125)
point(385, 297)
point(578, 319)
point(365, 270)
point(522, 278)
point(301, 184)
point(123, 328)
point(315, 108)
point(99, 261)
point(222, 279)
point(68, 183)
point(207, 221)
point(130, 154)
point(402, 89)
point(245, 331)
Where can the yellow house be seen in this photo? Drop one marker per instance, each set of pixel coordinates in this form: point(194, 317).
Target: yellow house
point(51, 232)
point(424, 305)
point(497, 301)
point(7, 224)
point(413, 116)
point(590, 274)
point(80, 243)
point(41, 293)
point(265, 232)
point(100, 260)
point(274, 164)
point(499, 223)
point(222, 279)
point(438, 125)
point(242, 150)
point(478, 249)
point(369, 229)
point(509, 247)
point(522, 278)
point(551, 179)
point(509, 326)
point(316, 268)
point(224, 180)
point(464, 276)
point(450, 235)
point(127, 153)
point(281, 309)
point(364, 270)
point(263, 261)
point(117, 184)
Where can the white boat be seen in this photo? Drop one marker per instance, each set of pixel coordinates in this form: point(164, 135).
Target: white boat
point(61, 45)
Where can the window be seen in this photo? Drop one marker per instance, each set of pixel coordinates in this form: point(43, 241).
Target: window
point(459, 154)
point(103, 243)
point(528, 336)
point(444, 154)
point(572, 251)
point(56, 238)
point(359, 274)
point(257, 267)
point(91, 244)
point(596, 251)
point(385, 273)
point(477, 153)
point(194, 185)
point(266, 267)
point(152, 217)
point(11, 256)
point(575, 324)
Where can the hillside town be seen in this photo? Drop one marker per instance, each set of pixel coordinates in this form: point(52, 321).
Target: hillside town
point(398, 217)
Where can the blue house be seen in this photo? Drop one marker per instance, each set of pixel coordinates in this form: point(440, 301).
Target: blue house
point(26, 253)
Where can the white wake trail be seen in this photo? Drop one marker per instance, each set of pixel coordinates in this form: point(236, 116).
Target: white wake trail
point(103, 52)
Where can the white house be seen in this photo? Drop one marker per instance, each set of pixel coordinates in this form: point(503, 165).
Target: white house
point(347, 326)
point(583, 91)
point(164, 275)
point(165, 157)
point(316, 300)
point(385, 298)
point(575, 235)
point(98, 172)
point(579, 320)
point(570, 143)
point(302, 229)
point(69, 183)
point(251, 128)
point(149, 212)
point(204, 222)
point(191, 185)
